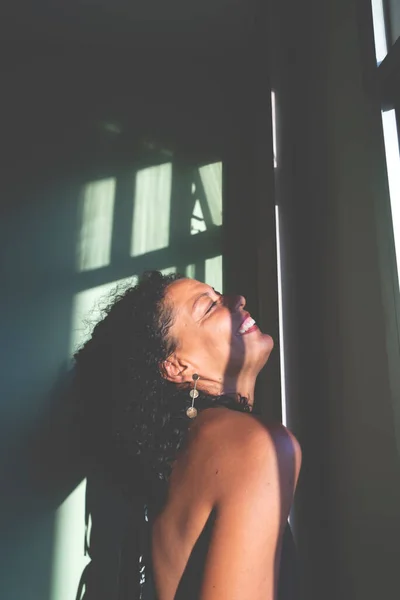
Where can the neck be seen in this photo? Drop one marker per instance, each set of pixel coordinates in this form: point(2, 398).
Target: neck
point(242, 385)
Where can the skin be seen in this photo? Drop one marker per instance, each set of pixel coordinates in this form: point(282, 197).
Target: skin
point(206, 326)
point(235, 465)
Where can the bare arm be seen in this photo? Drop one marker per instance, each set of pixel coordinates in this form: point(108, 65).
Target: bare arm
point(255, 470)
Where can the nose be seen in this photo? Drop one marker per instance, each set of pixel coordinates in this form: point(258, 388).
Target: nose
point(235, 302)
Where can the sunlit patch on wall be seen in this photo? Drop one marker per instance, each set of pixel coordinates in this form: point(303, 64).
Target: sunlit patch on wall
point(96, 220)
point(273, 116)
point(197, 222)
point(391, 138)
point(211, 178)
point(378, 17)
point(281, 324)
point(150, 231)
point(151, 215)
point(213, 273)
point(69, 560)
point(190, 271)
point(168, 271)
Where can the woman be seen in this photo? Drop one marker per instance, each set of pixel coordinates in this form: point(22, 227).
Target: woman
point(172, 369)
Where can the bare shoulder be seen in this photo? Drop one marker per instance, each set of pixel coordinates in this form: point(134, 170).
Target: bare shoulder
point(235, 447)
point(250, 469)
point(250, 428)
point(232, 432)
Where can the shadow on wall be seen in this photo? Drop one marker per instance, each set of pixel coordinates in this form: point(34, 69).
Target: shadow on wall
point(83, 210)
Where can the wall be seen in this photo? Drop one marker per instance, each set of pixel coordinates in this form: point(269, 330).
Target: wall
point(74, 117)
point(330, 188)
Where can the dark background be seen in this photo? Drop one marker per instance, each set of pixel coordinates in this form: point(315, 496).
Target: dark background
point(195, 79)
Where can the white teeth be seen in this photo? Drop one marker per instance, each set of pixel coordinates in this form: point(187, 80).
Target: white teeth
point(249, 322)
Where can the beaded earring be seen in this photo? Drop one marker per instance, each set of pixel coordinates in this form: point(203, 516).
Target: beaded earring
point(192, 411)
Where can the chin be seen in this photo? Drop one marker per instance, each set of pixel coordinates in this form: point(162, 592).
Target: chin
point(266, 342)
point(269, 339)
point(266, 347)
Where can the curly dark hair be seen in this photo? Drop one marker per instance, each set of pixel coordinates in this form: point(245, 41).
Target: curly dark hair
point(135, 415)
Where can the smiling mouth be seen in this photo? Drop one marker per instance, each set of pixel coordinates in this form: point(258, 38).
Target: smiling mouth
point(247, 326)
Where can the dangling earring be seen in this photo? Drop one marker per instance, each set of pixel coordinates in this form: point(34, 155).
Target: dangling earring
point(192, 411)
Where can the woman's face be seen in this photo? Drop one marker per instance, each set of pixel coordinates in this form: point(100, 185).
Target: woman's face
point(216, 336)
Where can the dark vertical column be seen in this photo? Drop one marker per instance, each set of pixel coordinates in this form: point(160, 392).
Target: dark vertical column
point(249, 236)
point(239, 217)
point(200, 271)
point(123, 214)
point(295, 54)
point(269, 382)
point(181, 208)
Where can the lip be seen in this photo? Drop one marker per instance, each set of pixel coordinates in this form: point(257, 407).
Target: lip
point(252, 328)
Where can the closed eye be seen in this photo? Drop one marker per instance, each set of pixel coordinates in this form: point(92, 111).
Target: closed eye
point(211, 306)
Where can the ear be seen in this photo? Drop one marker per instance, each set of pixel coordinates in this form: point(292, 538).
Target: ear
point(174, 370)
